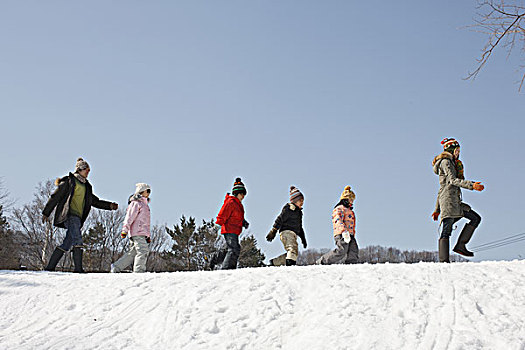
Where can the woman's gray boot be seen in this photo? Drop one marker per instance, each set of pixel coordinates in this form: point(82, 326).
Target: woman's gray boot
point(463, 239)
point(444, 250)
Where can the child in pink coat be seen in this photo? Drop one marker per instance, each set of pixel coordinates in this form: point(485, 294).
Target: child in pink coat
point(343, 220)
point(137, 226)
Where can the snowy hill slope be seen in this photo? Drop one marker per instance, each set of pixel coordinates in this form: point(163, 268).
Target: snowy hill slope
point(421, 306)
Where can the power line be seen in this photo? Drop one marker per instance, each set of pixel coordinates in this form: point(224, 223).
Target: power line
point(500, 240)
point(500, 243)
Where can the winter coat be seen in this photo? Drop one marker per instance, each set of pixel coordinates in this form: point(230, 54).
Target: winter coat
point(231, 215)
point(449, 198)
point(291, 218)
point(343, 219)
point(138, 218)
point(61, 199)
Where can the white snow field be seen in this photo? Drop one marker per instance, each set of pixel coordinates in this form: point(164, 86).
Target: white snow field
point(390, 306)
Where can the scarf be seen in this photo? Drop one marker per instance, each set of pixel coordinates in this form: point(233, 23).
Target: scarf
point(80, 178)
point(459, 169)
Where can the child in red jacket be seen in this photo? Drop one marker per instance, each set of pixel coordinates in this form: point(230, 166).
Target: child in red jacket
point(231, 220)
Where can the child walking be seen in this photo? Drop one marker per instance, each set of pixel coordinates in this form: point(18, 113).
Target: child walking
point(137, 225)
point(231, 220)
point(343, 220)
point(290, 225)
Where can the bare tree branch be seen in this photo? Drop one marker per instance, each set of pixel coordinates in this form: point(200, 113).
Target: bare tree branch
point(5, 201)
point(502, 22)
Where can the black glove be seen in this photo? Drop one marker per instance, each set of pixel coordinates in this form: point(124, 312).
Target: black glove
point(304, 243)
point(148, 240)
point(245, 224)
point(271, 235)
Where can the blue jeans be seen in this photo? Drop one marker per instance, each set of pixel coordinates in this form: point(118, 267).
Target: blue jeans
point(234, 250)
point(73, 234)
point(448, 223)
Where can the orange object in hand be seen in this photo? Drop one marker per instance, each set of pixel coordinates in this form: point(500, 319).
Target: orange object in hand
point(478, 186)
point(435, 215)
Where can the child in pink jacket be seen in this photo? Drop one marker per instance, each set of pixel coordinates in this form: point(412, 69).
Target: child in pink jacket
point(343, 220)
point(137, 226)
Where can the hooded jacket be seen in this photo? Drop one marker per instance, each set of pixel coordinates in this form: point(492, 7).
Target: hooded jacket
point(343, 219)
point(61, 198)
point(231, 215)
point(291, 218)
point(449, 201)
point(138, 217)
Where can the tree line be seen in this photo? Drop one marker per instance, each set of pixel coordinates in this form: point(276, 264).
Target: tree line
point(26, 242)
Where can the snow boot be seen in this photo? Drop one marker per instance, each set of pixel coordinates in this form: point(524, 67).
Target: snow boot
point(444, 250)
point(77, 259)
point(290, 262)
point(279, 260)
point(55, 258)
point(463, 239)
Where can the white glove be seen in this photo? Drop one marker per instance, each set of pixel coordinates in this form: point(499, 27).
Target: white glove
point(346, 237)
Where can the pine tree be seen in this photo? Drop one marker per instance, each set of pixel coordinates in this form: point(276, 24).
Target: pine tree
point(184, 244)
point(207, 235)
point(94, 248)
point(250, 256)
point(191, 244)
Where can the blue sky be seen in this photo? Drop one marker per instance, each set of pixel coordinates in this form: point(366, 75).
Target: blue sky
point(187, 95)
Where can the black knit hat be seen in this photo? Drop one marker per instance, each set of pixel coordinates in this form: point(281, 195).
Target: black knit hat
point(238, 187)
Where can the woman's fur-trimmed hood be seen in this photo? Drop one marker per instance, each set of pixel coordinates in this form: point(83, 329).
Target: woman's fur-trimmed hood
point(437, 160)
point(61, 179)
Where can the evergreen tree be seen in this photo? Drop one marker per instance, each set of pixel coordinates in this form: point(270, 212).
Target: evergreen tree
point(94, 248)
point(191, 244)
point(207, 235)
point(184, 245)
point(250, 256)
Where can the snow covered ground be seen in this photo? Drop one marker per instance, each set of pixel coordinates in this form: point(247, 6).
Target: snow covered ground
point(392, 306)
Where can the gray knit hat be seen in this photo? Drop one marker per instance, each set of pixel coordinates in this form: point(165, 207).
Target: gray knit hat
point(81, 165)
point(295, 194)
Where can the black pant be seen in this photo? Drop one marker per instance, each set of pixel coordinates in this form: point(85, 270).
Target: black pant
point(234, 250)
point(218, 257)
point(448, 223)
